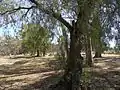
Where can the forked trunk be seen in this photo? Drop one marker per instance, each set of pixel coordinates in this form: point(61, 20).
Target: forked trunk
point(73, 70)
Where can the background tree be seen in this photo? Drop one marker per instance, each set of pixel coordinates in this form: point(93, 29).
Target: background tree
point(96, 36)
point(35, 38)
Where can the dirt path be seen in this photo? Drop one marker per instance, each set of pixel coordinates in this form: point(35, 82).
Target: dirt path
point(26, 73)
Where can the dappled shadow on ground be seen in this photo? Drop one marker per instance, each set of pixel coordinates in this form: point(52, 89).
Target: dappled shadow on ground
point(40, 72)
point(105, 81)
point(30, 66)
point(19, 57)
point(105, 75)
point(45, 82)
point(107, 63)
point(24, 74)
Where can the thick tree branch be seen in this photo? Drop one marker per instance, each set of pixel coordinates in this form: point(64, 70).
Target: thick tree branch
point(53, 14)
point(38, 6)
point(62, 20)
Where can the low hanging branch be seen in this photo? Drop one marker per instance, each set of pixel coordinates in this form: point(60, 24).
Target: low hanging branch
point(53, 14)
point(38, 6)
point(16, 9)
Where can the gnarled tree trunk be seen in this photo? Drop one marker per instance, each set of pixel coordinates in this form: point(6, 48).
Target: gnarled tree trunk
point(73, 70)
point(74, 62)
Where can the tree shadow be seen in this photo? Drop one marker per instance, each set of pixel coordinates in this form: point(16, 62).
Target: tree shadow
point(24, 67)
point(27, 68)
point(22, 70)
point(105, 81)
point(46, 72)
point(44, 83)
point(105, 75)
point(102, 59)
point(57, 64)
point(10, 84)
point(108, 63)
point(22, 56)
point(21, 62)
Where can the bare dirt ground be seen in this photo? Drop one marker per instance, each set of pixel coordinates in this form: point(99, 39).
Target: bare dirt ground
point(29, 73)
point(105, 75)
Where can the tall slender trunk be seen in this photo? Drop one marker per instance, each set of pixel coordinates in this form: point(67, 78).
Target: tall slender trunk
point(98, 43)
point(88, 51)
point(97, 53)
point(44, 52)
point(98, 48)
point(62, 51)
point(38, 53)
point(66, 43)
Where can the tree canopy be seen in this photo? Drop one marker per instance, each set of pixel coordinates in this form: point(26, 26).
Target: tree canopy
point(35, 38)
point(84, 19)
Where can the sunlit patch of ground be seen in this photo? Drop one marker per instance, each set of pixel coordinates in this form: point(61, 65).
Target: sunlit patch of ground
point(37, 73)
point(20, 73)
point(111, 55)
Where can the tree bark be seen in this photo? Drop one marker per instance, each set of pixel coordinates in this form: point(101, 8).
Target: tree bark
point(44, 52)
point(66, 43)
point(88, 51)
point(38, 53)
point(98, 48)
point(97, 54)
point(74, 63)
point(73, 71)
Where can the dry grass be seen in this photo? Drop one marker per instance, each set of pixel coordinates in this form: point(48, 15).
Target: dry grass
point(19, 73)
point(29, 73)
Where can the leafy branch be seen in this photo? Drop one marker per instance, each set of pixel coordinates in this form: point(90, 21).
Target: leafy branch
point(46, 11)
